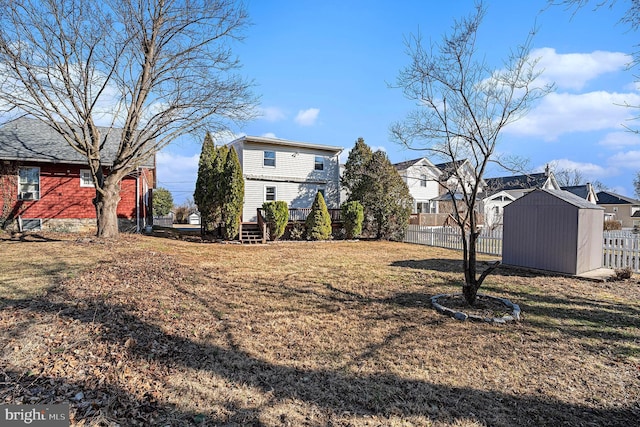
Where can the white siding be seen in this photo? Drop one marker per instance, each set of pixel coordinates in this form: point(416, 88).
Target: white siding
point(291, 162)
point(414, 182)
point(413, 176)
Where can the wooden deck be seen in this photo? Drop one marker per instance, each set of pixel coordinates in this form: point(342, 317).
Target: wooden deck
point(257, 232)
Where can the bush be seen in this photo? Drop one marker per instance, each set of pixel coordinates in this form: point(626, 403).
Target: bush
point(623, 273)
point(277, 216)
point(319, 221)
point(610, 225)
point(352, 216)
point(297, 232)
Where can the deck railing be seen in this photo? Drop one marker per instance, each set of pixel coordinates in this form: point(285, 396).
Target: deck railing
point(301, 214)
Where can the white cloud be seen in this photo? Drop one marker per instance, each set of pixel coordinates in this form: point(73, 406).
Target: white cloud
point(625, 160)
point(590, 171)
point(269, 135)
point(178, 174)
point(617, 140)
point(307, 117)
point(272, 114)
point(560, 113)
point(575, 70)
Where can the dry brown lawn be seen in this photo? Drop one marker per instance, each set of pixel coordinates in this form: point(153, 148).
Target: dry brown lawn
point(153, 331)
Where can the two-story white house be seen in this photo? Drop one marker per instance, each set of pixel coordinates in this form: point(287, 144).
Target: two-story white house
point(422, 178)
point(291, 171)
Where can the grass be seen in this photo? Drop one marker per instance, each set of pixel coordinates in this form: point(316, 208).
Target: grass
point(154, 331)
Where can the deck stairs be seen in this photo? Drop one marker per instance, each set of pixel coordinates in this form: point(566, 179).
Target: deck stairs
point(251, 233)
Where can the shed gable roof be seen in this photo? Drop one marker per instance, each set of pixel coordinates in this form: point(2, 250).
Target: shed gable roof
point(562, 195)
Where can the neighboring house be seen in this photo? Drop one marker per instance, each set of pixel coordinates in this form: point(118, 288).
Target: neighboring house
point(585, 192)
point(450, 183)
point(278, 169)
point(459, 168)
point(422, 177)
point(46, 184)
point(620, 208)
point(501, 191)
point(429, 185)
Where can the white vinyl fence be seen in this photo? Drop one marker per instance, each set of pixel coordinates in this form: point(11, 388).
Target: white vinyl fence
point(490, 241)
point(621, 249)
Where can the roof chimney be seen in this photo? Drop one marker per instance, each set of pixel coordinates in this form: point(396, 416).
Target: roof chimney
point(546, 170)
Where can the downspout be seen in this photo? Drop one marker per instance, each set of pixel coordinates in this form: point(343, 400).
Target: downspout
point(138, 201)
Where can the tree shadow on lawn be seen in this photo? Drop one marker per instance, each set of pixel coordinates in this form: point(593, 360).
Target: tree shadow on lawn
point(335, 393)
point(614, 326)
point(575, 316)
point(26, 237)
point(444, 265)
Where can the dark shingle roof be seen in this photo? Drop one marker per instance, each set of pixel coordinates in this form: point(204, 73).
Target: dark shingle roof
point(406, 164)
point(517, 182)
point(578, 190)
point(609, 198)
point(29, 139)
point(448, 168)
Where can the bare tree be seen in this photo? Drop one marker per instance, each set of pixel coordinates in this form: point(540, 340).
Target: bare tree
point(568, 177)
point(463, 105)
point(143, 72)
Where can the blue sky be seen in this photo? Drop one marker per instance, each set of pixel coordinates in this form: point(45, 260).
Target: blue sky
point(322, 70)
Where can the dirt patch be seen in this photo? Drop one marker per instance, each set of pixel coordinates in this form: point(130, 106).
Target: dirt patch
point(484, 307)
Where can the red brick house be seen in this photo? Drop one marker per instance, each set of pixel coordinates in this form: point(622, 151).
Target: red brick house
point(45, 184)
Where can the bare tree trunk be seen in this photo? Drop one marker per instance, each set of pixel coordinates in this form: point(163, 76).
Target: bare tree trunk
point(106, 203)
point(471, 285)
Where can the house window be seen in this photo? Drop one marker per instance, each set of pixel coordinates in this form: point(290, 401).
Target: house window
point(86, 180)
point(433, 206)
point(269, 158)
point(319, 164)
point(270, 194)
point(30, 224)
point(29, 183)
point(423, 180)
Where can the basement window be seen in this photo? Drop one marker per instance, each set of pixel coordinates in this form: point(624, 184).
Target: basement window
point(31, 224)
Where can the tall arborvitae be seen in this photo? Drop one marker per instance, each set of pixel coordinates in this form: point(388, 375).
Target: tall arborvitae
point(319, 221)
point(355, 169)
point(387, 198)
point(219, 184)
point(371, 179)
point(203, 195)
point(234, 195)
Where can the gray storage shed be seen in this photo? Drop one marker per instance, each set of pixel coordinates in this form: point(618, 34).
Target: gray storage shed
point(553, 230)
